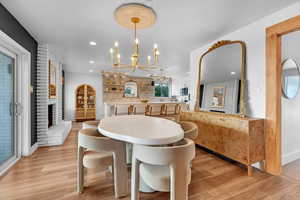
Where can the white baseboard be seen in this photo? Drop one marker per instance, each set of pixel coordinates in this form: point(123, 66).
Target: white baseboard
point(6, 168)
point(286, 159)
point(32, 149)
point(290, 157)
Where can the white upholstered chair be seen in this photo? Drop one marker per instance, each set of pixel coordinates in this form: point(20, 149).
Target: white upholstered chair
point(90, 124)
point(163, 168)
point(102, 152)
point(190, 129)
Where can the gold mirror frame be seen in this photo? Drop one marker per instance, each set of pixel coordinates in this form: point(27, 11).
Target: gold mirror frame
point(243, 65)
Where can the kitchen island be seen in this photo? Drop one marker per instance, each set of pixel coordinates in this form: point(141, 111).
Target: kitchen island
point(109, 107)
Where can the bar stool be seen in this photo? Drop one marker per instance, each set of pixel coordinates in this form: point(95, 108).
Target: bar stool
point(171, 109)
point(155, 109)
point(122, 109)
point(139, 109)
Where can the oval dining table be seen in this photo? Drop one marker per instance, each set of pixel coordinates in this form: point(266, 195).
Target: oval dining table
point(142, 130)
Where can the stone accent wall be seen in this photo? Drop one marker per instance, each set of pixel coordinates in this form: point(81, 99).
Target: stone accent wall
point(113, 87)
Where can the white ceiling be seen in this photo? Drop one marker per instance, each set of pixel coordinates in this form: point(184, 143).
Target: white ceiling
point(182, 25)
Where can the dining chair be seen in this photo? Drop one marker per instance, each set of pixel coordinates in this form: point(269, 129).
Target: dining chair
point(96, 151)
point(163, 168)
point(90, 124)
point(190, 129)
point(122, 109)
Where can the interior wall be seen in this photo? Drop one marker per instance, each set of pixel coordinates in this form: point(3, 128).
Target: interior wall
point(179, 82)
point(72, 81)
point(254, 36)
point(291, 107)
point(10, 26)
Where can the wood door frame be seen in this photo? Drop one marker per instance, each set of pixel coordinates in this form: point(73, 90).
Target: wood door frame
point(273, 92)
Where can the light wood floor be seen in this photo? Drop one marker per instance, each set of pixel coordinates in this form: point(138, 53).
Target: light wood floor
point(50, 173)
point(292, 170)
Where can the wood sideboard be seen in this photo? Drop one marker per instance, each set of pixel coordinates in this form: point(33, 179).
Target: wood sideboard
point(238, 138)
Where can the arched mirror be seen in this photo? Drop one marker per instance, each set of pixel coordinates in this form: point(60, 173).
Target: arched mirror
point(290, 78)
point(221, 78)
point(130, 89)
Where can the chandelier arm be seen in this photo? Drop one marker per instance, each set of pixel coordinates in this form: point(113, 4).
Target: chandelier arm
point(134, 31)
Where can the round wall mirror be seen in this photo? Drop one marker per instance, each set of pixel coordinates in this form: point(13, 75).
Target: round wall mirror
point(290, 78)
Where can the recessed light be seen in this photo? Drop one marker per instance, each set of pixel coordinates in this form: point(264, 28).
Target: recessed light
point(232, 73)
point(91, 70)
point(92, 62)
point(92, 43)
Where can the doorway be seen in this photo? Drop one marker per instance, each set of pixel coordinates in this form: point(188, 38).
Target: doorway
point(9, 110)
point(15, 103)
point(290, 105)
point(273, 126)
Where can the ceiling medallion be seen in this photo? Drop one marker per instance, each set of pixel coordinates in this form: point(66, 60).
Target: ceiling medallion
point(126, 12)
point(135, 16)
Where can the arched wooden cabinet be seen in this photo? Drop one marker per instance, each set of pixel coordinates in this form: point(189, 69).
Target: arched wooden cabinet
point(85, 103)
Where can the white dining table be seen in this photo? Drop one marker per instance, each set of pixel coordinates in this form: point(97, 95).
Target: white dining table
point(139, 129)
point(142, 130)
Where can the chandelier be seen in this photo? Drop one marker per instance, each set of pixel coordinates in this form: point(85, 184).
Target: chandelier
point(135, 16)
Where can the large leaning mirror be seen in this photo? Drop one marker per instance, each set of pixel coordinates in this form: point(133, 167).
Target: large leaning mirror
point(220, 87)
point(290, 78)
point(130, 89)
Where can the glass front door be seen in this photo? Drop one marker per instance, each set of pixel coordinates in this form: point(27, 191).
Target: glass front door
point(7, 109)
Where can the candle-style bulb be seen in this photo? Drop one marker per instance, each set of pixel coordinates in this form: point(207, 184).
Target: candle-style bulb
point(118, 59)
point(157, 53)
point(116, 44)
point(155, 46)
point(148, 60)
point(111, 50)
point(136, 41)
